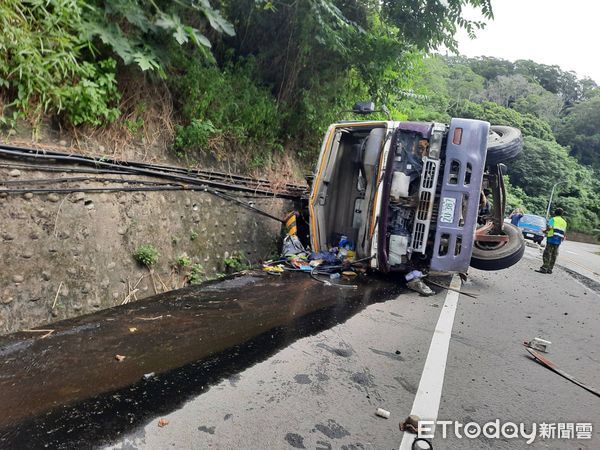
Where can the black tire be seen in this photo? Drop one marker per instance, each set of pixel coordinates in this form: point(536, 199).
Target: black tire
point(499, 257)
point(504, 144)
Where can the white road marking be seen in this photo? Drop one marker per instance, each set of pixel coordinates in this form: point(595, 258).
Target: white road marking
point(569, 251)
point(427, 401)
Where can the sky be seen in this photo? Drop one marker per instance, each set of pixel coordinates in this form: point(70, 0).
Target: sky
point(552, 32)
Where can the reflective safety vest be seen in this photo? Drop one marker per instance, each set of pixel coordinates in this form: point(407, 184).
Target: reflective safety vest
point(559, 226)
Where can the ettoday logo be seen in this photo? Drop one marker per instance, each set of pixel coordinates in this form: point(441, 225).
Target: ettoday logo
point(505, 430)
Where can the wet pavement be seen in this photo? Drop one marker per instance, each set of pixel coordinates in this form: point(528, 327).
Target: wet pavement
point(68, 389)
point(285, 362)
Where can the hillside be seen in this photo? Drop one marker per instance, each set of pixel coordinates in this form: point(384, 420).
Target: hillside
point(251, 85)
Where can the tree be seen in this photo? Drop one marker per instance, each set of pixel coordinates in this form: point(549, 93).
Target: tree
point(551, 163)
point(541, 103)
point(506, 89)
point(491, 68)
point(579, 130)
point(430, 24)
point(463, 82)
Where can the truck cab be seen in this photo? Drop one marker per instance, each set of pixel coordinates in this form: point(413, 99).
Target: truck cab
point(408, 195)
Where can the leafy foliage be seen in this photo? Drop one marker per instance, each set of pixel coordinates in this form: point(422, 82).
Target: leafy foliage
point(146, 255)
point(580, 131)
point(431, 24)
point(551, 163)
point(236, 262)
point(135, 30)
point(196, 274)
point(184, 260)
point(523, 103)
point(226, 104)
point(42, 68)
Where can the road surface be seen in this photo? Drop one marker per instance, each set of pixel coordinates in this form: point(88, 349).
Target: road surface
point(298, 364)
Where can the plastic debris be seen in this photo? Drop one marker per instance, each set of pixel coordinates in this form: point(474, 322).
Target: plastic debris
point(420, 287)
point(273, 269)
point(326, 257)
point(119, 357)
point(149, 375)
point(133, 329)
point(292, 246)
point(334, 276)
point(412, 275)
point(163, 422)
point(538, 344)
point(383, 413)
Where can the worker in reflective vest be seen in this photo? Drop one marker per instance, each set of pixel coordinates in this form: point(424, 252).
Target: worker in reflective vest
point(555, 234)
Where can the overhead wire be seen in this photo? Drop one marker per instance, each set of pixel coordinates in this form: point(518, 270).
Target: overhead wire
point(156, 170)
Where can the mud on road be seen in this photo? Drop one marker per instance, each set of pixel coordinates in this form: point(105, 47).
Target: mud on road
point(68, 389)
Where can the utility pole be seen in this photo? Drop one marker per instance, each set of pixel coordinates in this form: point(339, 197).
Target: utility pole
point(552, 195)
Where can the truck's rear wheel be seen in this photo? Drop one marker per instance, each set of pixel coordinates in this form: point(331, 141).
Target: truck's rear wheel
point(504, 144)
point(498, 256)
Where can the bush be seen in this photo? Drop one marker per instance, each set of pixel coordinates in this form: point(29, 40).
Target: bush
point(184, 260)
point(146, 255)
point(228, 104)
point(41, 68)
point(195, 135)
point(196, 274)
point(235, 263)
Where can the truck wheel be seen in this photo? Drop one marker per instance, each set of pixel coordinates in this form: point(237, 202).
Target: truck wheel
point(504, 144)
point(494, 256)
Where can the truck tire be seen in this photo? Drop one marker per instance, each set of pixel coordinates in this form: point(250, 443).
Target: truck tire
point(504, 144)
point(499, 257)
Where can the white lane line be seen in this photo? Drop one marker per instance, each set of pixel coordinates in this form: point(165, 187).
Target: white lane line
point(427, 400)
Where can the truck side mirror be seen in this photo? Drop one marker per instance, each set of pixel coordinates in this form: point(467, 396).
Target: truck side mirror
point(363, 108)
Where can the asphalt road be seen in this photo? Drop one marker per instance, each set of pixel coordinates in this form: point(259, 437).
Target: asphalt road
point(277, 363)
point(322, 391)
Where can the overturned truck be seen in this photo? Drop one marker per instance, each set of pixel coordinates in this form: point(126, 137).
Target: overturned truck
point(415, 195)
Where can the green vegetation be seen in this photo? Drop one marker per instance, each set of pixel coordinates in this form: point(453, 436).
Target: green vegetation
point(555, 112)
point(236, 262)
point(195, 274)
point(193, 235)
point(184, 261)
point(146, 255)
point(46, 67)
point(249, 79)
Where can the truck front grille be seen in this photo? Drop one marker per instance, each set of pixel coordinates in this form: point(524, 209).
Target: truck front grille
point(422, 223)
point(429, 175)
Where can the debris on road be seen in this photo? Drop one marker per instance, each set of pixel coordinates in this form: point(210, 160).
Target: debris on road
point(411, 424)
point(48, 332)
point(120, 357)
point(414, 281)
point(273, 270)
point(132, 329)
point(336, 262)
point(163, 422)
point(147, 376)
point(151, 318)
point(538, 344)
point(448, 288)
point(545, 362)
point(383, 413)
